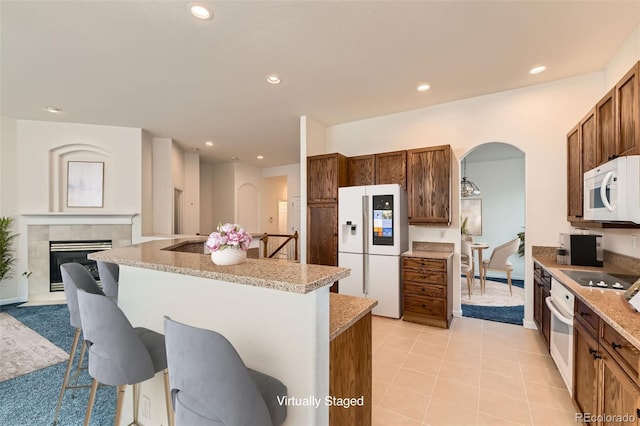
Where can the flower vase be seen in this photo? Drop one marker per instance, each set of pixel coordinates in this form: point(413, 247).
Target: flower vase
point(228, 256)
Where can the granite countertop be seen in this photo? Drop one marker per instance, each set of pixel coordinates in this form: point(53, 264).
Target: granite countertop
point(268, 273)
point(344, 311)
point(428, 254)
point(608, 304)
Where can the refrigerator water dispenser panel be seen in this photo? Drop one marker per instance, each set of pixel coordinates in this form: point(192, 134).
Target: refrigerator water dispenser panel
point(382, 220)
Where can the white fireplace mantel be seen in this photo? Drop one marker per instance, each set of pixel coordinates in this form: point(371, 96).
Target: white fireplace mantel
point(73, 218)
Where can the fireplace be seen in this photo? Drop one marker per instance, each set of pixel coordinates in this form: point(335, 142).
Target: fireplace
point(61, 252)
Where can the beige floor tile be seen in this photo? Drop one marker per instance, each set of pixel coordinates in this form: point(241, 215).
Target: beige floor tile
point(423, 364)
point(417, 382)
point(426, 349)
point(549, 396)
point(488, 420)
point(499, 366)
point(375, 319)
point(501, 329)
point(543, 375)
point(535, 360)
point(543, 415)
point(504, 407)
point(454, 392)
point(383, 417)
point(465, 344)
point(411, 325)
point(378, 388)
point(533, 344)
point(501, 352)
point(383, 371)
point(398, 342)
point(382, 329)
point(459, 373)
point(460, 323)
point(405, 402)
point(499, 341)
point(468, 359)
point(443, 413)
point(407, 333)
point(433, 339)
point(513, 387)
point(390, 355)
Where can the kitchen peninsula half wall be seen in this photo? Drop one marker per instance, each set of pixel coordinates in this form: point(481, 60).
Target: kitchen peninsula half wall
point(274, 312)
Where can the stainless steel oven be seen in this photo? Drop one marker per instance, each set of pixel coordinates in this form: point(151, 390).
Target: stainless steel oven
point(561, 303)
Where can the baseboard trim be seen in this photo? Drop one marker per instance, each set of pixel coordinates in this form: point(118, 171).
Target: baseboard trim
point(14, 300)
point(529, 324)
point(457, 313)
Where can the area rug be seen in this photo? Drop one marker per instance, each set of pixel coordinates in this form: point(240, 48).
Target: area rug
point(31, 399)
point(22, 350)
point(496, 294)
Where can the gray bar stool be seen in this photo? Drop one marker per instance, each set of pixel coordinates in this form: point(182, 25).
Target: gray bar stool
point(74, 276)
point(210, 385)
point(120, 354)
point(109, 276)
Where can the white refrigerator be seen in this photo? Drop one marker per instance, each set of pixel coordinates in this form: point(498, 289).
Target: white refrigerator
point(372, 234)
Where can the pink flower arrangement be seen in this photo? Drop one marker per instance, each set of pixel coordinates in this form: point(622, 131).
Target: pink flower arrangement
point(228, 235)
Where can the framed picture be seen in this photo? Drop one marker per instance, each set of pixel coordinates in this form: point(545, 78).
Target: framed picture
point(85, 183)
point(471, 209)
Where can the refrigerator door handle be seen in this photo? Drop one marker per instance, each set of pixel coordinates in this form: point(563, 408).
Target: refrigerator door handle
point(365, 244)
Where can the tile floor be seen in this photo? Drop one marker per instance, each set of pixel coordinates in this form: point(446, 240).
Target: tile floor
point(478, 372)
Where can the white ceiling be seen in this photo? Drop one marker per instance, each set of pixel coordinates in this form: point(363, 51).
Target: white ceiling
point(149, 64)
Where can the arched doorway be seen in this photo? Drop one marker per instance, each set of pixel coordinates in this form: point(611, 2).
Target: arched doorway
point(493, 215)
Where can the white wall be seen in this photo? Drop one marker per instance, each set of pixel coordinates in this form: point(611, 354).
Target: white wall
point(207, 225)
point(248, 187)
point(274, 189)
point(162, 186)
point(534, 119)
point(501, 183)
point(191, 223)
point(223, 182)
point(9, 287)
point(292, 173)
point(147, 183)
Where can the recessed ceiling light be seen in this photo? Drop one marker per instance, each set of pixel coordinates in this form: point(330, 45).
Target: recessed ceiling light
point(537, 70)
point(234, 158)
point(54, 110)
point(208, 143)
point(423, 87)
point(260, 157)
point(273, 79)
point(200, 11)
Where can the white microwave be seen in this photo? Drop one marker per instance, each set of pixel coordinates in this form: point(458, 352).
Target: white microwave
point(612, 191)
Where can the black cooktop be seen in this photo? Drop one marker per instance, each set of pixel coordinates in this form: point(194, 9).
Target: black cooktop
point(598, 279)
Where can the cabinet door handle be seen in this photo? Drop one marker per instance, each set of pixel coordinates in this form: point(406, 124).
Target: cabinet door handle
point(615, 345)
point(594, 353)
point(584, 314)
point(423, 305)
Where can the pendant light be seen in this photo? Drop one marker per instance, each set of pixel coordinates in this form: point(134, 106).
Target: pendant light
point(467, 187)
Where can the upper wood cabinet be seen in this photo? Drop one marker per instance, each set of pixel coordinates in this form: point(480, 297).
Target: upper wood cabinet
point(606, 129)
point(391, 167)
point(429, 185)
point(574, 175)
point(361, 170)
point(628, 112)
point(590, 149)
point(325, 173)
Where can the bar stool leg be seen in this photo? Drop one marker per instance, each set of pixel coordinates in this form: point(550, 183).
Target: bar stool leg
point(65, 381)
point(167, 397)
point(92, 398)
point(119, 402)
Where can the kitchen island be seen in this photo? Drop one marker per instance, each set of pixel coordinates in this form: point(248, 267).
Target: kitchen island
point(275, 313)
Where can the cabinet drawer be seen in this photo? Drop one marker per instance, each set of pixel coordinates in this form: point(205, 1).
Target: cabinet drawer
point(431, 290)
point(423, 264)
point(425, 276)
point(616, 344)
point(588, 317)
point(426, 306)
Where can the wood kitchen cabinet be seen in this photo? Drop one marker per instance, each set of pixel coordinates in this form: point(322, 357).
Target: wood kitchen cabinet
point(325, 174)
point(605, 370)
point(361, 170)
point(322, 234)
point(607, 145)
point(574, 175)
point(429, 185)
point(627, 98)
point(541, 290)
point(427, 291)
point(391, 167)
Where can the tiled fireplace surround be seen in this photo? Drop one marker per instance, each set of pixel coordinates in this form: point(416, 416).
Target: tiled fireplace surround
point(38, 249)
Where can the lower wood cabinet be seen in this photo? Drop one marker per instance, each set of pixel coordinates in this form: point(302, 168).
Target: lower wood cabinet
point(427, 291)
point(541, 290)
point(350, 374)
point(605, 375)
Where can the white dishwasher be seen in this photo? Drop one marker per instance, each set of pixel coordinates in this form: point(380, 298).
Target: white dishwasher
point(561, 303)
